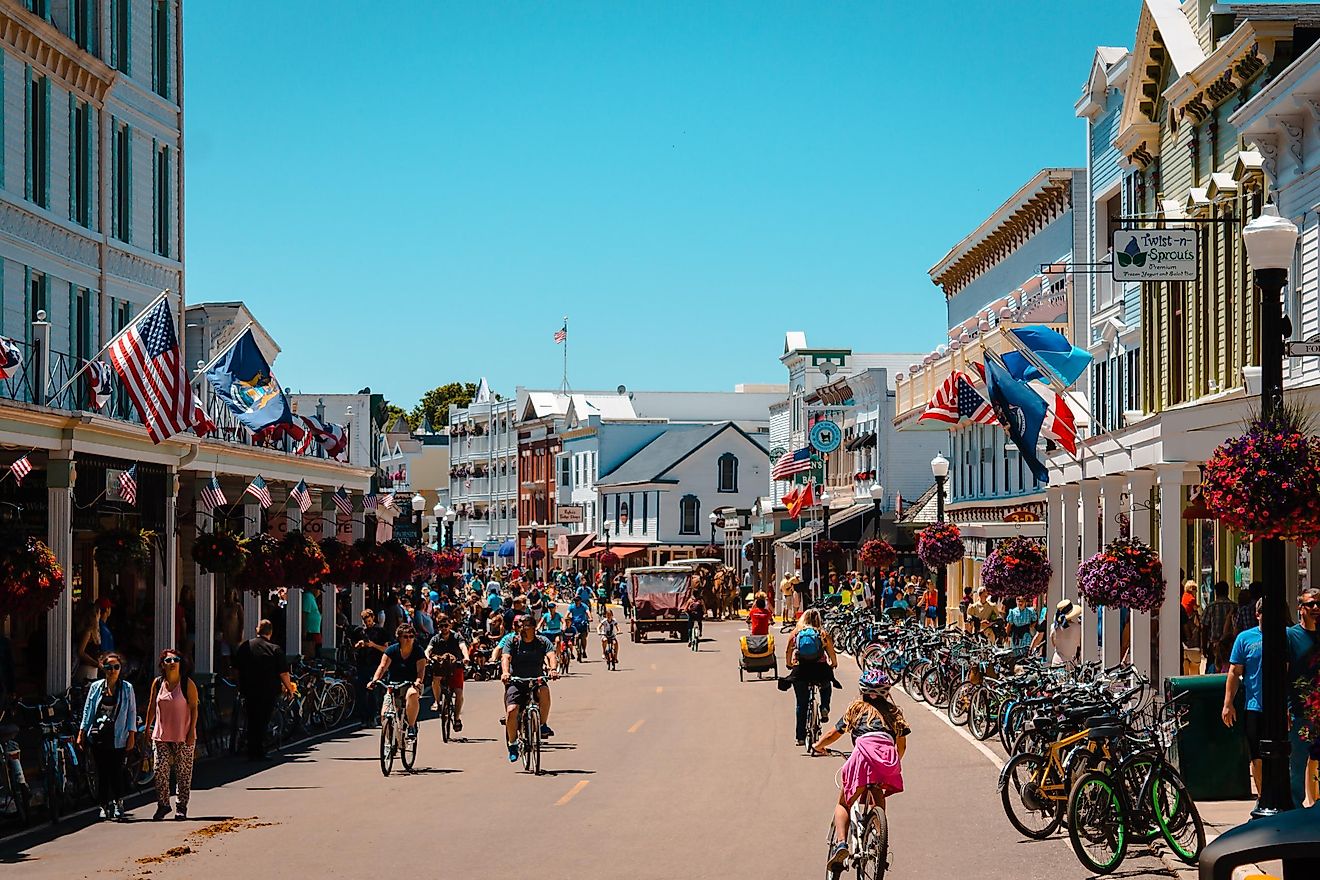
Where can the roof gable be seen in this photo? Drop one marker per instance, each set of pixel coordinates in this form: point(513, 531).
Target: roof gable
point(654, 461)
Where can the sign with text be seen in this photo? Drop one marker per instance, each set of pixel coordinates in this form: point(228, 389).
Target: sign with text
point(1155, 255)
point(568, 513)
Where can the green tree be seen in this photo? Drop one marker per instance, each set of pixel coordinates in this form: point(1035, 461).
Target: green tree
point(392, 412)
point(434, 404)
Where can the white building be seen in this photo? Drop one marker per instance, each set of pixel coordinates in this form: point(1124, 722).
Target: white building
point(483, 474)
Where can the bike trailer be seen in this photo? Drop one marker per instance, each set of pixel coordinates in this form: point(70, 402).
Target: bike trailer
point(758, 655)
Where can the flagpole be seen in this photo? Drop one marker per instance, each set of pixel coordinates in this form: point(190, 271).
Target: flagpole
point(129, 326)
point(998, 360)
point(564, 386)
point(228, 348)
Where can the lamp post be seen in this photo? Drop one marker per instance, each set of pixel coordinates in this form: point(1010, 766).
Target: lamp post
point(439, 513)
point(418, 507)
point(1270, 241)
point(450, 516)
point(531, 543)
point(877, 502)
point(713, 519)
point(939, 469)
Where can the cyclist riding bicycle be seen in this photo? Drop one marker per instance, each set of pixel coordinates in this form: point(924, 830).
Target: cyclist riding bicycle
point(609, 635)
point(403, 662)
point(879, 735)
point(811, 661)
point(579, 620)
point(525, 654)
point(445, 654)
point(552, 623)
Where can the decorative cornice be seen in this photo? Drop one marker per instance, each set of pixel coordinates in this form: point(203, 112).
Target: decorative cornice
point(32, 228)
point(1138, 144)
point(40, 43)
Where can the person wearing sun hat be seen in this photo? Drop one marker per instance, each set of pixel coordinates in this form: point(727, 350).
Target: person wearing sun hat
point(1066, 634)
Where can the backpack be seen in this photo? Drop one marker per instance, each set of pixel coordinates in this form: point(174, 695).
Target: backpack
point(809, 643)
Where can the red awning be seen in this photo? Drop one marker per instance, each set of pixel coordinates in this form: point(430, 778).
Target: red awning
point(619, 551)
point(624, 552)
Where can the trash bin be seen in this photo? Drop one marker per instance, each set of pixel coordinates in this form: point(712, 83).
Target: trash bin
point(1213, 759)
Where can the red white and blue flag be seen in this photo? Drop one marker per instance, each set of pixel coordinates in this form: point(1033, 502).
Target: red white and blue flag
point(561, 335)
point(11, 358)
point(259, 490)
point(128, 485)
point(201, 422)
point(99, 384)
point(791, 463)
point(302, 496)
point(958, 398)
point(149, 362)
point(387, 502)
point(343, 502)
point(370, 502)
point(20, 469)
point(212, 496)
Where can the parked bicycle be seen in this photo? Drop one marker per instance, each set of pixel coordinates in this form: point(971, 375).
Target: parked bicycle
point(15, 795)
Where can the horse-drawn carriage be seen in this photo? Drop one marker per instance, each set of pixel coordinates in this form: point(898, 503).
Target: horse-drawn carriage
point(659, 595)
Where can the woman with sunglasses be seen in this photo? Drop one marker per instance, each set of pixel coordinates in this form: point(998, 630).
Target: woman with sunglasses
point(172, 720)
point(109, 728)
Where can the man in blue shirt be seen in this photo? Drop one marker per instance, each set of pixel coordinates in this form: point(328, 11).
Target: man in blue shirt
point(1244, 671)
point(579, 618)
point(1303, 663)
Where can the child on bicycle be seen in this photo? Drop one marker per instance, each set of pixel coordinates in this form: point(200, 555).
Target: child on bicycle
point(879, 735)
point(609, 635)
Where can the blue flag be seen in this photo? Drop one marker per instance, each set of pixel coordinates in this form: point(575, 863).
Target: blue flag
point(1064, 360)
point(243, 380)
point(1021, 411)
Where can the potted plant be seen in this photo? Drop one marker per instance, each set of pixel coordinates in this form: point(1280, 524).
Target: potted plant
point(608, 559)
point(304, 563)
point(119, 550)
point(826, 548)
point(31, 579)
point(343, 560)
point(1125, 574)
point(218, 553)
point(535, 554)
point(940, 544)
point(1018, 567)
point(263, 570)
point(877, 553)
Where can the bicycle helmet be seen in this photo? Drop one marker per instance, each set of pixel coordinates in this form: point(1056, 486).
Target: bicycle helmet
point(874, 682)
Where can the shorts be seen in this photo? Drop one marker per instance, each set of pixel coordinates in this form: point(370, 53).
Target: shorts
point(932, 613)
point(517, 693)
point(453, 678)
point(1251, 723)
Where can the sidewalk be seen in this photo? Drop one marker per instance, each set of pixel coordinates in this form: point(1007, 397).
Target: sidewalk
point(1218, 817)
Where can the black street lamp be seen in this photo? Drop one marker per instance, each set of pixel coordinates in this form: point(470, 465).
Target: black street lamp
point(713, 519)
point(532, 546)
point(450, 516)
point(877, 502)
point(1271, 241)
point(939, 468)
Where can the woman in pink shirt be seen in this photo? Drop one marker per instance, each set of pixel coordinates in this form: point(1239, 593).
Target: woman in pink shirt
point(172, 720)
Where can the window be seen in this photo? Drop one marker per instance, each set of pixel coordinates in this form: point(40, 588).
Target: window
point(83, 22)
point(689, 515)
point(161, 203)
point(626, 515)
point(728, 472)
point(121, 160)
point(565, 476)
point(82, 323)
point(39, 7)
point(160, 48)
point(80, 162)
point(36, 300)
point(120, 46)
point(38, 139)
point(646, 510)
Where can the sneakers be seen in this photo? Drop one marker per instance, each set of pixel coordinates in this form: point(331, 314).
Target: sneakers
point(435, 706)
point(546, 731)
point(513, 753)
point(162, 810)
point(181, 813)
point(824, 716)
point(458, 724)
point(105, 813)
point(411, 733)
point(802, 742)
point(838, 857)
point(119, 811)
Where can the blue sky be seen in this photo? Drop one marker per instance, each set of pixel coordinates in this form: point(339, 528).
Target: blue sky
point(418, 193)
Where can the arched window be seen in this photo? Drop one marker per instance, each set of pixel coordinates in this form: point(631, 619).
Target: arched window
point(728, 472)
point(689, 515)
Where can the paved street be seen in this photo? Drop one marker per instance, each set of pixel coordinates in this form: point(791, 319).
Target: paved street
point(670, 767)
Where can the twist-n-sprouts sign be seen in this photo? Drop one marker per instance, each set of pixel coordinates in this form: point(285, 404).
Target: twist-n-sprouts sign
point(1155, 255)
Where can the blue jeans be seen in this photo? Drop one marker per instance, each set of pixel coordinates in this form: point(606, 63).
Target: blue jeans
point(802, 691)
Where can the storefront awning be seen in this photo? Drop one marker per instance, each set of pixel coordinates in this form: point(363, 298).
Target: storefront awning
point(620, 551)
point(575, 544)
point(803, 534)
point(508, 549)
point(867, 439)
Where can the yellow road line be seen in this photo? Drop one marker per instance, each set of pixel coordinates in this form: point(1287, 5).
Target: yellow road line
point(659, 690)
point(572, 793)
point(636, 727)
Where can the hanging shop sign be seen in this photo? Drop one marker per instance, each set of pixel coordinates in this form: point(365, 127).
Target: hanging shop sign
point(568, 513)
point(1155, 255)
point(826, 436)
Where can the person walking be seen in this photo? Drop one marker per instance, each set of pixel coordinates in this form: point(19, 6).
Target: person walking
point(172, 720)
point(1244, 673)
point(263, 672)
point(1218, 629)
point(1304, 665)
point(368, 646)
point(109, 730)
point(1066, 634)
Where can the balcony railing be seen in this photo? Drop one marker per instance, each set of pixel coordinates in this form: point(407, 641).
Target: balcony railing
point(913, 392)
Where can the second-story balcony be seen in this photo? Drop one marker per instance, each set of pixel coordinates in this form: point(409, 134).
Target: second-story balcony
point(915, 388)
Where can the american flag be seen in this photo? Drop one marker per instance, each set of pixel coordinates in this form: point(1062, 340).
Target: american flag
point(10, 358)
point(957, 399)
point(259, 490)
point(791, 463)
point(212, 496)
point(302, 496)
point(343, 502)
point(99, 384)
point(388, 501)
point(20, 469)
point(148, 360)
point(370, 502)
point(128, 485)
point(201, 422)
point(561, 334)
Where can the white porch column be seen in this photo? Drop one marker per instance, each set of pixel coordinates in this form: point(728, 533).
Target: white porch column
point(1171, 479)
point(1140, 484)
point(167, 577)
point(251, 602)
point(1070, 541)
point(1054, 512)
point(1090, 546)
point(329, 591)
point(359, 523)
point(203, 599)
point(1111, 491)
point(293, 616)
point(60, 476)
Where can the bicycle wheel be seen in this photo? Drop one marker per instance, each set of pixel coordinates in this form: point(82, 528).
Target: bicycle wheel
point(18, 793)
point(446, 714)
point(873, 859)
point(933, 689)
point(1131, 776)
point(535, 749)
point(960, 703)
point(980, 720)
point(55, 783)
point(335, 704)
point(912, 678)
point(387, 745)
point(1014, 717)
point(531, 721)
point(408, 751)
point(1030, 809)
point(1176, 814)
point(1097, 823)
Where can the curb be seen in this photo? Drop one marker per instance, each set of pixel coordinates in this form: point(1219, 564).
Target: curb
point(1183, 871)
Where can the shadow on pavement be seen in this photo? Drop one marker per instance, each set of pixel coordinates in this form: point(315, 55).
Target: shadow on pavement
point(545, 772)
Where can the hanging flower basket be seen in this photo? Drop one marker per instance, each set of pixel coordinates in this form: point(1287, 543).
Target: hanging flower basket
point(940, 544)
point(877, 553)
point(448, 563)
point(1266, 482)
point(608, 559)
point(121, 550)
point(304, 563)
point(1125, 574)
point(375, 563)
point(1018, 567)
point(343, 560)
point(218, 553)
point(535, 554)
point(423, 565)
point(399, 562)
point(30, 579)
point(826, 548)
point(264, 568)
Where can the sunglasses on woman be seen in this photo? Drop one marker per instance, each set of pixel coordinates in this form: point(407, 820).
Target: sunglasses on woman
point(170, 660)
point(111, 667)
